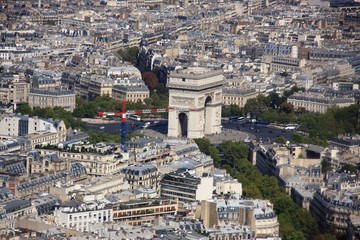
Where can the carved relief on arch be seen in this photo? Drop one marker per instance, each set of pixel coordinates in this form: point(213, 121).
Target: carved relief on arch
point(218, 97)
point(183, 101)
point(201, 101)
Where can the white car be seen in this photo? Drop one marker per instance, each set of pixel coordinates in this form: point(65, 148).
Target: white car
point(247, 140)
point(147, 123)
point(102, 127)
point(156, 122)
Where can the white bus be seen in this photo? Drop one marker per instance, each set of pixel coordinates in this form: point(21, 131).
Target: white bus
point(135, 118)
point(291, 126)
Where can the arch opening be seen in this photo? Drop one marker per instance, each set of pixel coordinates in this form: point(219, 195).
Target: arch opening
point(207, 115)
point(183, 121)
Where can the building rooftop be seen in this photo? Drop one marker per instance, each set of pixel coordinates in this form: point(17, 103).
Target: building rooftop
point(139, 169)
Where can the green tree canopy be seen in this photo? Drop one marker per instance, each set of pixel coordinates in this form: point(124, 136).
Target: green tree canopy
point(129, 54)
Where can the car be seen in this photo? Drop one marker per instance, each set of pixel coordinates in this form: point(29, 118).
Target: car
point(247, 140)
point(156, 122)
point(252, 128)
point(257, 130)
point(147, 123)
point(102, 127)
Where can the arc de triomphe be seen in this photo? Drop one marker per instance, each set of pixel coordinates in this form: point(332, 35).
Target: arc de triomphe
point(195, 97)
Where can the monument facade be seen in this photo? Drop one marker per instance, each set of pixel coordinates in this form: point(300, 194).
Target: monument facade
point(195, 97)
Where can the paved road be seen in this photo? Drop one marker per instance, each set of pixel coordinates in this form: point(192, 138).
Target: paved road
point(258, 132)
point(131, 126)
point(231, 130)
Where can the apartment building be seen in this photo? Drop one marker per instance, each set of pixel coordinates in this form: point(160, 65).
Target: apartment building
point(12, 126)
point(281, 50)
point(228, 186)
point(13, 89)
point(95, 164)
point(78, 215)
point(143, 211)
point(52, 98)
point(37, 163)
point(239, 97)
point(15, 210)
point(333, 208)
point(35, 140)
point(318, 102)
point(131, 93)
point(345, 86)
point(22, 184)
point(346, 144)
point(278, 63)
point(185, 187)
point(257, 214)
point(108, 184)
point(100, 87)
point(270, 159)
point(141, 175)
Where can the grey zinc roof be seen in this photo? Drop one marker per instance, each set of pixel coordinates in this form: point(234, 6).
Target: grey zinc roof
point(54, 92)
point(136, 88)
point(139, 170)
point(16, 205)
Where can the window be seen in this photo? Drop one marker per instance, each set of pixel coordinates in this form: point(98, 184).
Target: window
point(183, 79)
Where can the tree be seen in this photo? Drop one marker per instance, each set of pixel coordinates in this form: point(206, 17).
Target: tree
point(287, 107)
point(96, 137)
point(214, 154)
point(24, 109)
point(257, 105)
point(233, 151)
point(148, 101)
point(281, 140)
point(203, 144)
point(79, 112)
point(129, 54)
point(275, 99)
point(150, 79)
point(291, 92)
point(295, 222)
point(325, 166)
point(348, 168)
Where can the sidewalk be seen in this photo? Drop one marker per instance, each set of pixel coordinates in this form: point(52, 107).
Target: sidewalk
point(228, 135)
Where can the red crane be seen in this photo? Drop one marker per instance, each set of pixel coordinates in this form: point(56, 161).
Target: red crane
point(123, 115)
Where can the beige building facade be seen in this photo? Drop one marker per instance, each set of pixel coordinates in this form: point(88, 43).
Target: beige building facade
point(130, 93)
point(239, 97)
point(143, 211)
point(52, 98)
point(100, 87)
point(95, 164)
point(317, 103)
point(14, 92)
point(257, 214)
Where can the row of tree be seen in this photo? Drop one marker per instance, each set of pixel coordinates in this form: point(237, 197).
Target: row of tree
point(318, 127)
point(54, 113)
point(295, 222)
point(84, 109)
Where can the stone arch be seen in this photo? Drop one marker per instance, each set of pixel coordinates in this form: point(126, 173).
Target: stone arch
point(196, 92)
point(207, 114)
point(183, 124)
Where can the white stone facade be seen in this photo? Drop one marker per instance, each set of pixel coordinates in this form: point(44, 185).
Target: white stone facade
point(195, 95)
point(79, 216)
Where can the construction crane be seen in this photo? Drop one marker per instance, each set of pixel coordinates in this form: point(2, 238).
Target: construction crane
point(124, 115)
